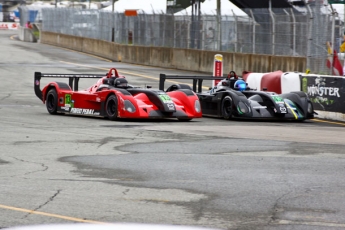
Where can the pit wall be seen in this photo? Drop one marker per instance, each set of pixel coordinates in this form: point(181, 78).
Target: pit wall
point(183, 59)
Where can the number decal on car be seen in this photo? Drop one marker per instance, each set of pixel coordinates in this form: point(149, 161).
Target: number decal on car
point(277, 99)
point(166, 99)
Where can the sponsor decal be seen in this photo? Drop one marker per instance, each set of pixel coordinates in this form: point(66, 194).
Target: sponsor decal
point(171, 106)
point(37, 82)
point(68, 101)
point(83, 111)
point(282, 109)
point(98, 99)
point(260, 107)
point(277, 99)
point(65, 108)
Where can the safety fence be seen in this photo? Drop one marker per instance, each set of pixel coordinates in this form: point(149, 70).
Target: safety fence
point(286, 32)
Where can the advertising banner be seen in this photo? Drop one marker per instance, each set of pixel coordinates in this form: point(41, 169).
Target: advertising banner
point(217, 68)
point(326, 92)
point(9, 25)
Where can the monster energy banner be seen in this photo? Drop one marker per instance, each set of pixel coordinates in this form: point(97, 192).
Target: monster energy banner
point(327, 93)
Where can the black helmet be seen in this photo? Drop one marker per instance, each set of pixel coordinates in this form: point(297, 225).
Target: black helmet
point(121, 83)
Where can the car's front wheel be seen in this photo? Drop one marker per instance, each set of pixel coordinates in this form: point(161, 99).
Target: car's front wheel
point(52, 101)
point(111, 107)
point(227, 107)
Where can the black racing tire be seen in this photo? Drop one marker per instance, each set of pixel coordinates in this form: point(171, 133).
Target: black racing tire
point(52, 101)
point(184, 119)
point(227, 108)
point(111, 107)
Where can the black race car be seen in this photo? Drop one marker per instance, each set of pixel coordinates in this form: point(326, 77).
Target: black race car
point(232, 98)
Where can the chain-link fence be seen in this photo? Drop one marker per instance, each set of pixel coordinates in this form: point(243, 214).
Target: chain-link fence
point(285, 32)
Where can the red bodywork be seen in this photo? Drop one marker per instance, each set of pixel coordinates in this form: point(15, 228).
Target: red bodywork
point(148, 103)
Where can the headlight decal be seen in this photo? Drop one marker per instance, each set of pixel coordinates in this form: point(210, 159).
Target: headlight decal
point(242, 108)
point(129, 106)
point(197, 106)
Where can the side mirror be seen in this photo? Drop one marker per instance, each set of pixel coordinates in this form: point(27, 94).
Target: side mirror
point(264, 89)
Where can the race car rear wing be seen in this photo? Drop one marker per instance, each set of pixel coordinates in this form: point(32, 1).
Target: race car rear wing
point(73, 81)
point(197, 80)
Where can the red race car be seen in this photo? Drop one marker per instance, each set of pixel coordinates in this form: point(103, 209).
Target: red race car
point(114, 98)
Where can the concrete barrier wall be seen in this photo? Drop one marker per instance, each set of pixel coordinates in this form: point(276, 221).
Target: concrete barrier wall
point(26, 35)
point(184, 59)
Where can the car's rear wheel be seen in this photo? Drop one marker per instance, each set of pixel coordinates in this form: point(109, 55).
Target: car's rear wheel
point(111, 107)
point(52, 101)
point(227, 107)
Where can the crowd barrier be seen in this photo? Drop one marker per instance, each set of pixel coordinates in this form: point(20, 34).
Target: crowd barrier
point(327, 93)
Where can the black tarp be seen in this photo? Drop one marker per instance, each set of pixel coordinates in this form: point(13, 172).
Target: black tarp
point(260, 3)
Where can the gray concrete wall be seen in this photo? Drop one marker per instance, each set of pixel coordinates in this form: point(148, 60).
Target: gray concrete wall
point(26, 35)
point(184, 59)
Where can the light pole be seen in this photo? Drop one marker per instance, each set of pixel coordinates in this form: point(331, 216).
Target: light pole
point(219, 21)
point(113, 29)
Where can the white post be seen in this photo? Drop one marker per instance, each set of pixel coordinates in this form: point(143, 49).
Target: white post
point(217, 68)
point(254, 31)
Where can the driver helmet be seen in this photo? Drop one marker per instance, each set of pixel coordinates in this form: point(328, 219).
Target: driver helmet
point(240, 85)
point(121, 83)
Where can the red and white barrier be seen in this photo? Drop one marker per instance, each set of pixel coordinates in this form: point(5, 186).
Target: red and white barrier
point(277, 81)
point(9, 25)
point(217, 68)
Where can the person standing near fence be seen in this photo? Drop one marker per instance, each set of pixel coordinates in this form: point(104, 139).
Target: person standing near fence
point(28, 25)
point(210, 38)
point(342, 51)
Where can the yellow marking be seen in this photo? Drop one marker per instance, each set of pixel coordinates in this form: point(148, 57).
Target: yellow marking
point(330, 122)
point(293, 112)
point(50, 215)
point(130, 73)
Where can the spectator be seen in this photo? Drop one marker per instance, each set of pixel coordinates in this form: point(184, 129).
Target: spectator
point(28, 25)
point(210, 38)
point(342, 51)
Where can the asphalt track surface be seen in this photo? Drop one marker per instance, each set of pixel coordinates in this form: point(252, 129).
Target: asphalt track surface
point(207, 172)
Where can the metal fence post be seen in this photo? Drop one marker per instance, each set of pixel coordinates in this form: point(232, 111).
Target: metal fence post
point(310, 37)
point(273, 29)
point(293, 33)
point(254, 31)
